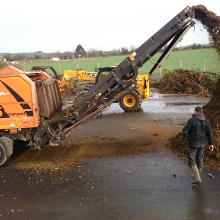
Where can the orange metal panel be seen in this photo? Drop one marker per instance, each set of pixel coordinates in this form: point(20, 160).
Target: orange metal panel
point(18, 100)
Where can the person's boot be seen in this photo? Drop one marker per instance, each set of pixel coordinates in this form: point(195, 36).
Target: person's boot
point(200, 170)
point(196, 174)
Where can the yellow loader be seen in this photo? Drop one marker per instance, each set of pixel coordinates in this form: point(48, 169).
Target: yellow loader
point(130, 102)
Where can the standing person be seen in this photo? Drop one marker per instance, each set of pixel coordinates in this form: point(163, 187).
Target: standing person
point(197, 130)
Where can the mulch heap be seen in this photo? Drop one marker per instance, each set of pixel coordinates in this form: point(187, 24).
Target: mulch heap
point(183, 81)
point(211, 22)
point(212, 112)
point(212, 109)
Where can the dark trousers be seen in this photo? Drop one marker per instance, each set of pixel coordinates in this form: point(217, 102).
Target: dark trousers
point(195, 155)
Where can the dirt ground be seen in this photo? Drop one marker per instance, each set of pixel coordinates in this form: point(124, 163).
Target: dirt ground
point(134, 139)
point(115, 133)
point(109, 163)
point(117, 166)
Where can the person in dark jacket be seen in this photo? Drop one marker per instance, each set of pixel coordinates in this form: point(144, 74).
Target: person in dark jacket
point(198, 131)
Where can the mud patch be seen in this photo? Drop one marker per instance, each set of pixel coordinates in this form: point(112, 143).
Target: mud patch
point(71, 152)
point(74, 151)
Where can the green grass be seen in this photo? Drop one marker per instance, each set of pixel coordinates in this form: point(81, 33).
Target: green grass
point(194, 60)
point(190, 59)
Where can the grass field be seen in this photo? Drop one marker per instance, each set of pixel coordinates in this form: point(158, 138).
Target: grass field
point(202, 59)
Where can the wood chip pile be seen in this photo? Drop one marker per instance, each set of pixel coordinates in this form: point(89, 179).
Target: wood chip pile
point(212, 112)
point(211, 22)
point(182, 81)
point(212, 109)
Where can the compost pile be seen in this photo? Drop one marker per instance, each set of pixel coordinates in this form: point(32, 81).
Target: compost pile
point(186, 82)
point(192, 82)
point(211, 22)
point(211, 110)
point(179, 144)
point(212, 113)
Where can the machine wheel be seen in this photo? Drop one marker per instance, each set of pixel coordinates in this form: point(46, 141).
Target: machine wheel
point(3, 154)
point(131, 102)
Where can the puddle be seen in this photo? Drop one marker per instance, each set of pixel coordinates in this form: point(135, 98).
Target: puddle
point(165, 105)
point(185, 103)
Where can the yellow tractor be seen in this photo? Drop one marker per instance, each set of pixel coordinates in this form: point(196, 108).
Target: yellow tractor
point(68, 76)
point(79, 75)
point(130, 102)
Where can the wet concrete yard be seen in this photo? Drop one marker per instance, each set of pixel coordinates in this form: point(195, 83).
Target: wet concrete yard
point(153, 185)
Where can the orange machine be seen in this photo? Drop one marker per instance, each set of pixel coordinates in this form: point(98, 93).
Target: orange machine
point(26, 98)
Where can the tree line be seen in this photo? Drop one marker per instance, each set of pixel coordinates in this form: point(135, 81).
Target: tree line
point(80, 53)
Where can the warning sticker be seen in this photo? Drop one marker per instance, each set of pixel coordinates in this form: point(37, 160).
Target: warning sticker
point(16, 121)
point(132, 56)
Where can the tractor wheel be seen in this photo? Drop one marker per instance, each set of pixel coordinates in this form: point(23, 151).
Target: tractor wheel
point(3, 154)
point(131, 102)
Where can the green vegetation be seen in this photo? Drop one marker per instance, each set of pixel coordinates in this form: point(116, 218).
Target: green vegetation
point(80, 52)
point(3, 64)
point(197, 60)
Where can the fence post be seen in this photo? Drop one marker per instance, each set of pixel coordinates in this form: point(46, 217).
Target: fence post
point(204, 65)
point(181, 65)
point(60, 69)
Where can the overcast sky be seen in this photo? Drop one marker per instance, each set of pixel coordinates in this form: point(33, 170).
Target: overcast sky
point(50, 26)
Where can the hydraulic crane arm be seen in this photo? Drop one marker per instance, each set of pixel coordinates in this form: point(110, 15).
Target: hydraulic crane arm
point(124, 75)
point(171, 32)
point(122, 78)
point(38, 129)
point(169, 47)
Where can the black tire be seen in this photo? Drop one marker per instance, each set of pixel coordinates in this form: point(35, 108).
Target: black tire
point(131, 102)
point(3, 155)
